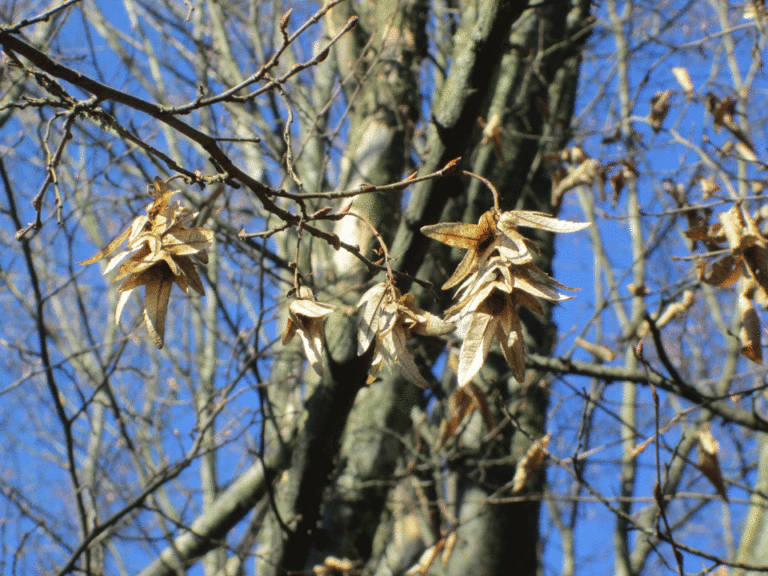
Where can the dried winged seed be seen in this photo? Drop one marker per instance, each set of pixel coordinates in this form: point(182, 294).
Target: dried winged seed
point(509, 333)
point(476, 345)
point(756, 258)
point(467, 265)
point(191, 240)
point(539, 289)
point(459, 234)
point(389, 317)
point(460, 404)
point(751, 346)
point(524, 299)
point(514, 249)
point(116, 259)
point(493, 270)
point(539, 220)
point(141, 261)
point(290, 331)
point(190, 273)
point(121, 304)
point(156, 298)
point(371, 302)
point(182, 282)
point(376, 365)
point(201, 257)
point(163, 195)
point(310, 308)
point(473, 301)
point(514, 354)
point(402, 359)
point(311, 334)
point(141, 279)
point(540, 276)
point(134, 264)
point(431, 325)
point(137, 228)
point(111, 247)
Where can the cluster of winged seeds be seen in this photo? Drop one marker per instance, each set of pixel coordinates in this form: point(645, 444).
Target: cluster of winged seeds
point(161, 250)
point(746, 260)
point(305, 318)
point(496, 276)
point(389, 319)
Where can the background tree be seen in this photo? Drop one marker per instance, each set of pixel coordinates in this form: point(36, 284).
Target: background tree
point(315, 141)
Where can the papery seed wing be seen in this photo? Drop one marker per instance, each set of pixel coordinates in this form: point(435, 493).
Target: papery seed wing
point(163, 195)
point(481, 402)
point(121, 304)
point(136, 263)
point(182, 281)
point(513, 248)
point(290, 330)
point(473, 301)
point(389, 317)
point(432, 325)
point(404, 361)
point(310, 308)
point(190, 272)
point(312, 340)
point(376, 365)
point(540, 220)
point(136, 280)
point(168, 259)
point(476, 345)
point(116, 259)
point(371, 302)
point(524, 299)
point(456, 234)
point(137, 228)
point(510, 339)
point(187, 241)
point(539, 289)
point(465, 268)
point(156, 298)
point(111, 247)
point(750, 333)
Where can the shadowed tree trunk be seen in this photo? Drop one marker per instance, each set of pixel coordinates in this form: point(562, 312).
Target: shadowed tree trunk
point(501, 63)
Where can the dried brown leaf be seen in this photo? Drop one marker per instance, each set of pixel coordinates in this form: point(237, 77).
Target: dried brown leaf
point(659, 109)
point(723, 272)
